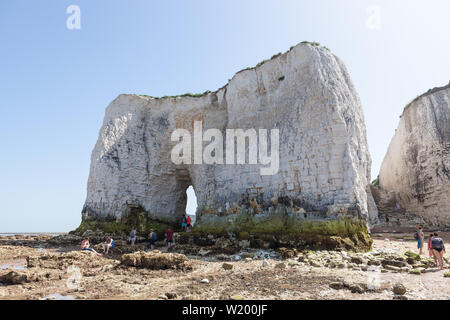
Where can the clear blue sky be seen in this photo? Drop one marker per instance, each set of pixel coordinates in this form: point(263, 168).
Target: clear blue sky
point(55, 83)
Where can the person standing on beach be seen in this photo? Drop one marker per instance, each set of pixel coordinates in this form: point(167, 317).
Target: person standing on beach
point(152, 238)
point(133, 236)
point(188, 223)
point(183, 222)
point(169, 237)
point(420, 238)
point(387, 220)
point(437, 245)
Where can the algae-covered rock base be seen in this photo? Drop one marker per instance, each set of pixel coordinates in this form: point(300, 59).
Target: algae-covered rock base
point(121, 227)
point(283, 227)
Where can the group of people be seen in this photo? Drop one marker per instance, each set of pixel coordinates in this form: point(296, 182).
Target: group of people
point(397, 221)
point(186, 225)
point(436, 248)
point(109, 244)
point(152, 237)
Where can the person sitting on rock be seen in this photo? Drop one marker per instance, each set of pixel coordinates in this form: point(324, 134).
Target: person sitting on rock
point(85, 246)
point(437, 244)
point(169, 237)
point(152, 237)
point(109, 244)
point(133, 236)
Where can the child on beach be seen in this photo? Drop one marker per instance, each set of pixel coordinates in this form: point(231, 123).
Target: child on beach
point(109, 244)
point(85, 246)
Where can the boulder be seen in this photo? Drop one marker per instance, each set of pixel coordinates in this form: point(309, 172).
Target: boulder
point(399, 289)
point(14, 277)
point(227, 266)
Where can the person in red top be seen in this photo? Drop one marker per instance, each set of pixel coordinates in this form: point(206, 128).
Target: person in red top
point(169, 237)
point(188, 223)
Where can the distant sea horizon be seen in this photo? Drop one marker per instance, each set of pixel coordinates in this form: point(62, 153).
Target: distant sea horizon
point(31, 233)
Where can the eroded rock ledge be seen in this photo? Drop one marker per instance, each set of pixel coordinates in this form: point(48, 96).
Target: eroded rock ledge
point(320, 190)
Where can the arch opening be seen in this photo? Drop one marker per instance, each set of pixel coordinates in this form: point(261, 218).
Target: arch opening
point(191, 203)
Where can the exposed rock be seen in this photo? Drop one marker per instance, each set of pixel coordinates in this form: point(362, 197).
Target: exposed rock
point(416, 168)
point(227, 266)
point(416, 271)
point(337, 285)
point(171, 295)
point(80, 259)
point(357, 260)
point(393, 263)
point(357, 288)
point(399, 289)
point(14, 277)
point(154, 260)
point(324, 162)
point(280, 265)
point(392, 268)
point(287, 253)
point(400, 298)
point(314, 263)
point(374, 262)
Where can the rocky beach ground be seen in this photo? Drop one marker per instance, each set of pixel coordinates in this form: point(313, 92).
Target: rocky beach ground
point(44, 267)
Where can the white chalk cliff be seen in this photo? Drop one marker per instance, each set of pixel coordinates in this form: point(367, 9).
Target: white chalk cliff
point(306, 93)
point(416, 168)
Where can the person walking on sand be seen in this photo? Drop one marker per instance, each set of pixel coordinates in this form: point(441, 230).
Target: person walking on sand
point(169, 237)
point(152, 238)
point(86, 246)
point(437, 245)
point(387, 220)
point(133, 236)
point(420, 237)
point(109, 244)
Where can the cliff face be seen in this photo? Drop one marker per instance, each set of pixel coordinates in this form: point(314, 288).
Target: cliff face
point(416, 168)
point(306, 93)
